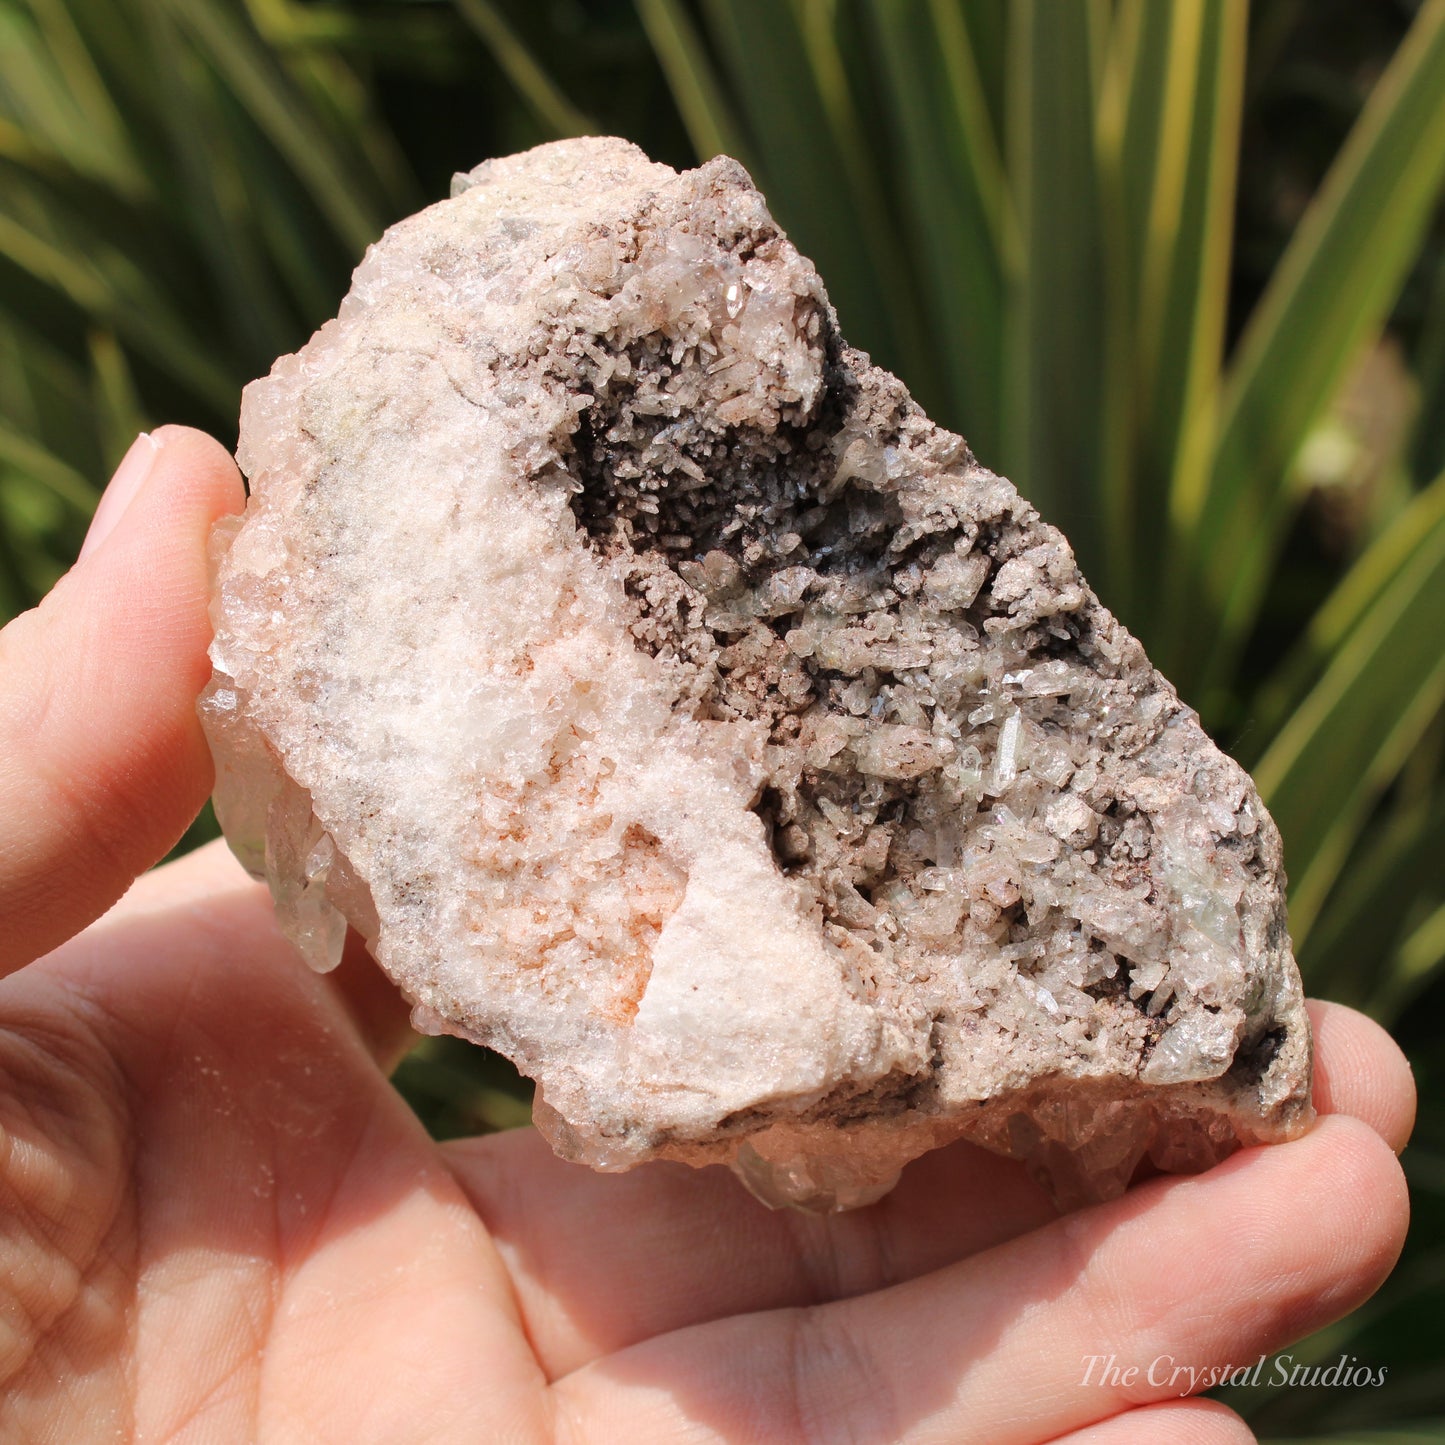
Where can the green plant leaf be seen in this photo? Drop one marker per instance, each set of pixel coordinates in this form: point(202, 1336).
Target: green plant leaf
point(1052, 398)
point(548, 103)
point(1353, 952)
point(711, 123)
point(1350, 735)
point(54, 89)
point(1429, 440)
point(1344, 609)
point(44, 467)
point(959, 212)
point(120, 414)
point(1331, 292)
point(1167, 141)
point(820, 175)
point(161, 243)
point(344, 190)
point(120, 299)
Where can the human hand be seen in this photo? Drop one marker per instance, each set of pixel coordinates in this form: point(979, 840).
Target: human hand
point(219, 1222)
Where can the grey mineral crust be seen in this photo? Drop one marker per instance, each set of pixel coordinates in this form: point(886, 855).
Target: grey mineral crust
point(675, 709)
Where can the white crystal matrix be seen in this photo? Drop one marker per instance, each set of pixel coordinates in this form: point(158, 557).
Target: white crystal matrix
point(676, 710)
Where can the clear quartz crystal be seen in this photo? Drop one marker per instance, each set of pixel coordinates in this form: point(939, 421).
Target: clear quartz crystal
point(671, 706)
point(299, 859)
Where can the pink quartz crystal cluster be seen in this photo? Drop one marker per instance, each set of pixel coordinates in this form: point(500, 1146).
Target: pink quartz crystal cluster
point(678, 711)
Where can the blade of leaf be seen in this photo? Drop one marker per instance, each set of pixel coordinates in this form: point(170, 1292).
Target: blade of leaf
point(1350, 735)
point(1126, 132)
point(818, 191)
point(45, 391)
point(61, 77)
point(1167, 138)
point(1188, 331)
point(1350, 601)
point(972, 126)
point(117, 404)
point(412, 34)
point(549, 104)
point(987, 24)
point(711, 124)
point(151, 329)
point(954, 191)
point(219, 214)
point(1052, 389)
point(1351, 952)
point(29, 457)
point(347, 197)
point(1421, 957)
point(1185, 304)
point(344, 105)
point(863, 165)
point(1333, 289)
point(1429, 441)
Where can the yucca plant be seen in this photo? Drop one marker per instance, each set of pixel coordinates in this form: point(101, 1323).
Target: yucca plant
point(1060, 221)
point(179, 201)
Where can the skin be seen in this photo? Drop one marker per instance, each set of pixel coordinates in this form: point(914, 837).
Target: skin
point(218, 1222)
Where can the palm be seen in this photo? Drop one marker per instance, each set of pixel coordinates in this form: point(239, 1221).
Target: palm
point(219, 1223)
point(233, 1222)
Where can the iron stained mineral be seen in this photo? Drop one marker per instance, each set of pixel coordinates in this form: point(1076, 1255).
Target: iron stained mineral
point(674, 708)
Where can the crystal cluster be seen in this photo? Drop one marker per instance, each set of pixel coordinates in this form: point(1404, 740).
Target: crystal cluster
point(677, 710)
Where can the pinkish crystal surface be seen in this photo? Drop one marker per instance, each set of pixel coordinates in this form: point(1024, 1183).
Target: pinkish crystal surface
point(678, 711)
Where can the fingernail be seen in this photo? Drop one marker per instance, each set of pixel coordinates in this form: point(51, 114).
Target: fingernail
point(129, 478)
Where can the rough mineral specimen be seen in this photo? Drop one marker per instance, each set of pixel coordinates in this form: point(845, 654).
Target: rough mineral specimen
point(675, 709)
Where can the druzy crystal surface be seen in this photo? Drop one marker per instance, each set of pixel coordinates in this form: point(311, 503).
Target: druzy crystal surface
point(678, 711)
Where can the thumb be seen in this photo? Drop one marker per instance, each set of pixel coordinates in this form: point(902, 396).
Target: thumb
point(102, 760)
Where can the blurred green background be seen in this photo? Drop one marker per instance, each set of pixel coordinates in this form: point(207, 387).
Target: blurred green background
point(1177, 267)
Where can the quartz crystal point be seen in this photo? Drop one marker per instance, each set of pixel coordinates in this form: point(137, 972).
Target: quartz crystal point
point(678, 711)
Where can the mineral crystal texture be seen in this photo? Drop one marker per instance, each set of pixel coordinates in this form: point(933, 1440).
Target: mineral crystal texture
point(678, 711)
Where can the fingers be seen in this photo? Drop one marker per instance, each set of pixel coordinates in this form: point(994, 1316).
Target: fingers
point(605, 1261)
point(1203, 1271)
point(1361, 1071)
point(102, 761)
point(601, 1261)
point(1187, 1422)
